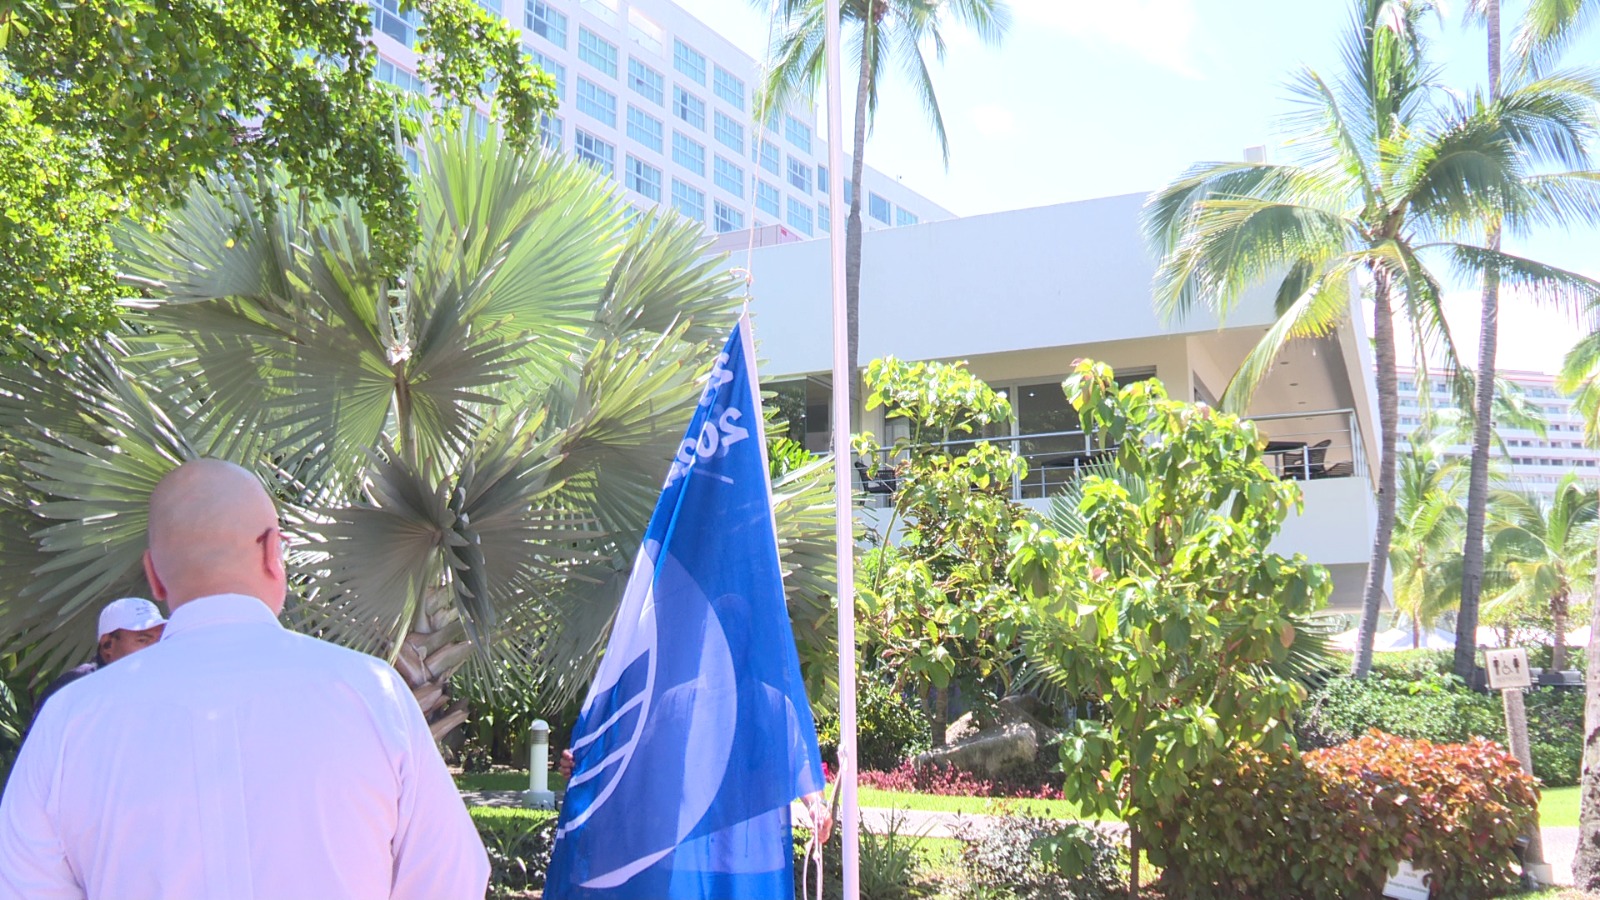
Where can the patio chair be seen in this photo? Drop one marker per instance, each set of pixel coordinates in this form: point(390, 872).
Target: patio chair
point(881, 484)
point(1337, 470)
point(1308, 463)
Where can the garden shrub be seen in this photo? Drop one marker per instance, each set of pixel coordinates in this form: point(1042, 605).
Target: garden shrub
point(1333, 823)
point(950, 781)
point(1037, 859)
point(890, 864)
point(1555, 730)
point(518, 842)
point(889, 728)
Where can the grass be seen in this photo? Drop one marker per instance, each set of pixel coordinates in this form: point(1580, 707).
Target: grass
point(511, 780)
point(1558, 806)
point(1045, 809)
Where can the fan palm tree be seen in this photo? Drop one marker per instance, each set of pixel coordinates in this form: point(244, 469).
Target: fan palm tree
point(465, 457)
point(884, 34)
point(1393, 174)
point(1543, 553)
point(1426, 549)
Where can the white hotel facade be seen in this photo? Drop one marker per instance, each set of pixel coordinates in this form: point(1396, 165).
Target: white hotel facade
point(663, 104)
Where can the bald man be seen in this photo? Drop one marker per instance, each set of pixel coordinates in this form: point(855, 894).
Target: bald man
point(235, 759)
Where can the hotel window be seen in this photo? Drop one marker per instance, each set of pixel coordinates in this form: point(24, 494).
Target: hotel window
point(798, 132)
point(645, 129)
point(546, 22)
point(822, 179)
point(596, 101)
point(727, 218)
point(769, 156)
point(800, 216)
point(729, 87)
point(729, 132)
point(901, 217)
point(389, 73)
point(767, 198)
point(824, 221)
point(689, 61)
point(647, 82)
point(556, 70)
point(644, 178)
point(387, 18)
point(849, 192)
point(799, 175)
point(550, 131)
point(728, 176)
point(689, 202)
point(688, 153)
point(592, 150)
point(878, 208)
point(597, 51)
point(689, 108)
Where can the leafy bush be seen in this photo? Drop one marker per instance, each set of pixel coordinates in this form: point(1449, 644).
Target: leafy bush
point(950, 781)
point(889, 729)
point(890, 864)
point(1333, 823)
point(1415, 701)
point(1036, 859)
point(519, 842)
point(502, 710)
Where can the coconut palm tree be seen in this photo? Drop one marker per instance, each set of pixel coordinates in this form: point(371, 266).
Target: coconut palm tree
point(465, 457)
point(1391, 178)
point(884, 34)
point(1426, 549)
point(1543, 555)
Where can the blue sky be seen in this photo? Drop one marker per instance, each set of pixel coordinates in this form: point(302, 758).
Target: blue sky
point(1088, 99)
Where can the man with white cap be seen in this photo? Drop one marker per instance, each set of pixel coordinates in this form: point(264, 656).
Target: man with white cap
point(126, 626)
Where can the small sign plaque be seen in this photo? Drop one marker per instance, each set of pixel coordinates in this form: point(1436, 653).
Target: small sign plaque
point(1507, 668)
point(1407, 884)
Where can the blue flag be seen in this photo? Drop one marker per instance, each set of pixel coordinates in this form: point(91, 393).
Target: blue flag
point(696, 734)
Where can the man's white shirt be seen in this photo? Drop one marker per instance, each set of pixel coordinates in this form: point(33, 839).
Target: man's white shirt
point(236, 759)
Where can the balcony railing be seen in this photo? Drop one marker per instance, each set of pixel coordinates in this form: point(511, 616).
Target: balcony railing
point(1303, 446)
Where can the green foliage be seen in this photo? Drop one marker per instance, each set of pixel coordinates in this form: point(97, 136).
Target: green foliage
point(1013, 857)
point(940, 607)
point(890, 864)
point(519, 843)
point(889, 730)
point(121, 104)
point(1332, 824)
point(1167, 607)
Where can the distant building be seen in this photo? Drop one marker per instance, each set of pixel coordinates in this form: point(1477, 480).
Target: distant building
point(1533, 463)
point(662, 103)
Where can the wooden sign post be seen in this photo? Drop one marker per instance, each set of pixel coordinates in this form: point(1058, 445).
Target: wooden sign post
point(1508, 674)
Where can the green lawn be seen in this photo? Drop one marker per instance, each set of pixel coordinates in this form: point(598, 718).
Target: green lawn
point(1559, 806)
point(504, 781)
point(1046, 809)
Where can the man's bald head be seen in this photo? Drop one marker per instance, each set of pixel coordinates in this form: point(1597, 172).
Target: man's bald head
point(213, 530)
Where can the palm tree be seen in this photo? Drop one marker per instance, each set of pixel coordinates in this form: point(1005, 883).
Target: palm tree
point(1543, 553)
point(1426, 549)
point(886, 34)
point(1393, 173)
point(465, 456)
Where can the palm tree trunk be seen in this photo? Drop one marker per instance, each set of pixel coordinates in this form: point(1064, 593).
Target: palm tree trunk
point(1388, 425)
point(1466, 657)
point(433, 651)
point(1586, 865)
point(1559, 611)
point(852, 229)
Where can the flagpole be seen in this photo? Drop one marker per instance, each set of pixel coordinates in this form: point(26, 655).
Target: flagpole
point(844, 531)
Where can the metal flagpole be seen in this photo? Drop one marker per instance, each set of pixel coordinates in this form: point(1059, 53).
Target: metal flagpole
point(844, 532)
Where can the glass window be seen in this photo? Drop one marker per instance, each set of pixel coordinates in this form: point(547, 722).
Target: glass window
point(597, 102)
point(767, 198)
point(799, 175)
point(727, 218)
point(689, 61)
point(647, 82)
point(769, 156)
point(689, 154)
point(800, 216)
point(689, 203)
point(878, 208)
point(644, 178)
point(592, 150)
point(645, 129)
point(546, 22)
point(824, 222)
point(389, 73)
point(388, 19)
point(643, 31)
point(604, 10)
point(849, 192)
point(729, 132)
point(550, 131)
point(689, 108)
point(597, 51)
point(822, 179)
point(902, 217)
point(556, 70)
point(729, 87)
point(729, 177)
point(798, 132)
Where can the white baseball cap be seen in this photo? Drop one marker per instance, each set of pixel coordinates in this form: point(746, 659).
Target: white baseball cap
point(129, 614)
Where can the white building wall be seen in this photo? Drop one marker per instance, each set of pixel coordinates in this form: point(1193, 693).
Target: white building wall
point(770, 176)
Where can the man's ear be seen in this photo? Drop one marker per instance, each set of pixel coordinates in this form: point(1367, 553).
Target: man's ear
point(157, 589)
point(272, 555)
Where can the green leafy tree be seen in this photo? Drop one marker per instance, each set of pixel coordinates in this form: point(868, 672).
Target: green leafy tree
point(940, 608)
point(465, 458)
point(1543, 557)
point(1167, 607)
point(121, 105)
point(884, 34)
point(1393, 177)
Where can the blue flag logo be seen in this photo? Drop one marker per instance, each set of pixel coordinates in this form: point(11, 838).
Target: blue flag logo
point(696, 734)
